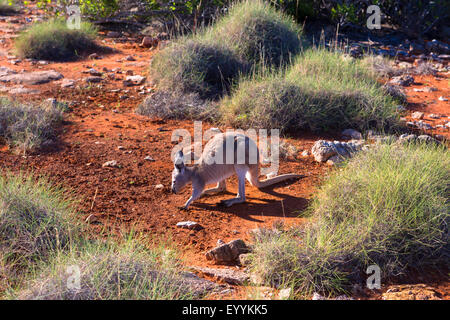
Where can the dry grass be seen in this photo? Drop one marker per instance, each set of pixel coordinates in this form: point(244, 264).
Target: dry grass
point(53, 40)
point(27, 126)
point(321, 91)
point(389, 206)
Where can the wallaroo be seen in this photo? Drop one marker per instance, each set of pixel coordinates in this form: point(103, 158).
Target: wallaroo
point(225, 154)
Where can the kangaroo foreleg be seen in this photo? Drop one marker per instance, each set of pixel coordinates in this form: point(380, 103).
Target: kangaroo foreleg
point(221, 186)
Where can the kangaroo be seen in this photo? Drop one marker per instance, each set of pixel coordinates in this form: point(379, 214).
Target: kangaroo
point(215, 165)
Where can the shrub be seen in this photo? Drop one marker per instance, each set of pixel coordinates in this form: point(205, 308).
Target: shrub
point(195, 65)
point(252, 34)
point(320, 91)
point(389, 206)
point(112, 271)
point(28, 126)
point(7, 7)
point(53, 40)
point(36, 220)
point(174, 105)
point(258, 32)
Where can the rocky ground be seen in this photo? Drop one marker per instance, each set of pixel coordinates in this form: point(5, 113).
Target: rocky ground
point(118, 165)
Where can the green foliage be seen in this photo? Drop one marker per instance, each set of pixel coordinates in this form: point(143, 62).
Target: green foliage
point(92, 8)
point(258, 33)
point(196, 65)
point(320, 91)
point(36, 220)
point(250, 35)
point(53, 40)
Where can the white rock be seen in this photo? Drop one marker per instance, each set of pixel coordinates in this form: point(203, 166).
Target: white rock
point(112, 163)
point(284, 294)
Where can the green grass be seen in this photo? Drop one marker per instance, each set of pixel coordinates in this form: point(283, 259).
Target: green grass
point(320, 91)
point(36, 220)
point(208, 62)
point(28, 126)
point(53, 40)
point(196, 65)
point(388, 206)
point(258, 33)
point(111, 271)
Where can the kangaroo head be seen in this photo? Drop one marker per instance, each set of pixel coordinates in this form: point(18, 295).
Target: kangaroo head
point(180, 174)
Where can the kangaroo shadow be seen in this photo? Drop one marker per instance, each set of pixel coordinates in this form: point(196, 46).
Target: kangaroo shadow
point(286, 206)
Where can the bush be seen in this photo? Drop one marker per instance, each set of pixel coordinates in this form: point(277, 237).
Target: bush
point(53, 40)
point(36, 220)
point(321, 91)
point(109, 271)
point(389, 206)
point(251, 34)
point(195, 65)
point(7, 7)
point(257, 32)
point(175, 105)
point(28, 126)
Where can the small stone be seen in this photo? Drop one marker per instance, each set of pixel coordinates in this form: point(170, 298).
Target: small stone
point(67, 83)
point(136, 80)
point(94, 72)
point(403, 80)
point(130, 58)
point(284, 294)
point(351, 133)
point(112, 163)
point(228, 252)
point(148, 42)
point(429, 89)
point(441, 98)
point(94, 79)
point(317, 296)
point(191, 225)
point(148, 158)
point(417, 115)
point(113, 34)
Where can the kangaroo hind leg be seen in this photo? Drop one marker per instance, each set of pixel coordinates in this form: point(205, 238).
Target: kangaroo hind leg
point(240, 198)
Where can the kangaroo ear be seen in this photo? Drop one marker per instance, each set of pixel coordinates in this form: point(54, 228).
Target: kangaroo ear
point(179, 160)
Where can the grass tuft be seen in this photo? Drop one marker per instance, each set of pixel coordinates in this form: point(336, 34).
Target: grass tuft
point(111, 271)
point(258, 33)
point(36, 220)
point(27, 126)
point(53, 40)
point(175, 105)
point(389, 207)
point(251, 34)
point(196, 66)
point(321, 91)
point(7, 8)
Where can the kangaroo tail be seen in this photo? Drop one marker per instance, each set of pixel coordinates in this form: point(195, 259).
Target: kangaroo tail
point(252, 177)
